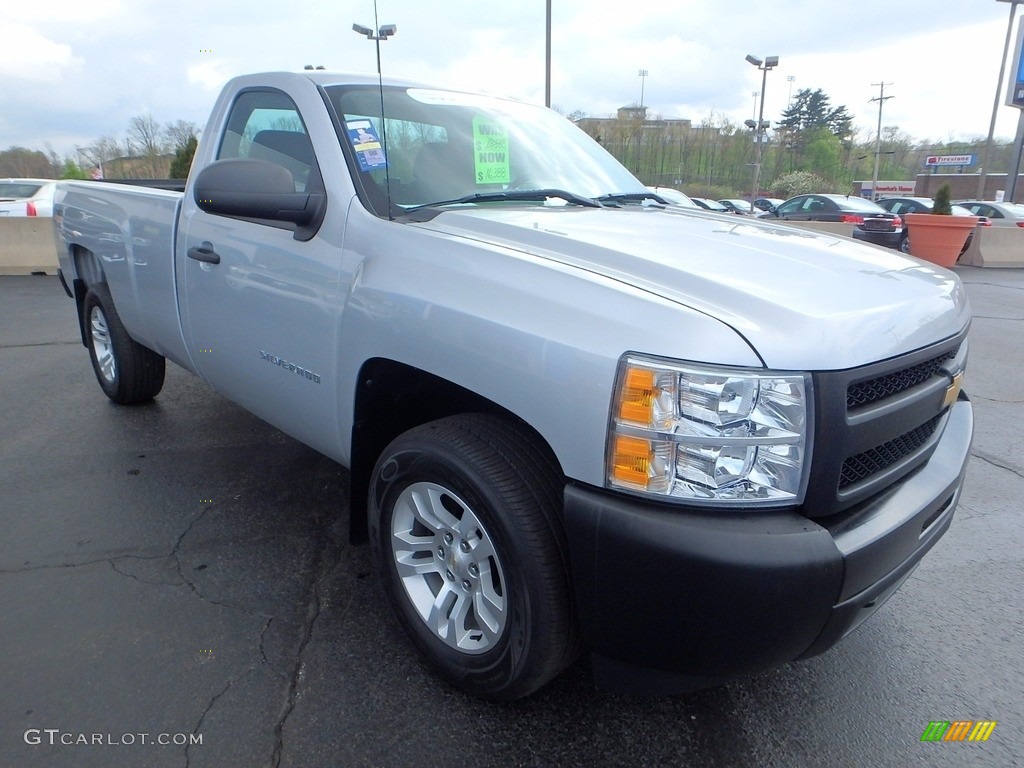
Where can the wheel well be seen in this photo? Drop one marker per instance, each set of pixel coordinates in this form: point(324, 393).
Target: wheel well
point(88, 271)
point(392, 398)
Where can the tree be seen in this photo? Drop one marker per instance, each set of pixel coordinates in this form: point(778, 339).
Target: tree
point(71, 170)
point(179, 133)
point(102, 152)
point(145, 134)
point(941, 206)
point(799, 183)
point(182, 162)
point(811, 109)
point(23, 163)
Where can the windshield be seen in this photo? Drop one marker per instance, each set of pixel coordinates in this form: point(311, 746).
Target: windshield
point(438, 146)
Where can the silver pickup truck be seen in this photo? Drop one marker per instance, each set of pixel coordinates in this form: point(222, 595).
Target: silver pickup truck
point(696, 446)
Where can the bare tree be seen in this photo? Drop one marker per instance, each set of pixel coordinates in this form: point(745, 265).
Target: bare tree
point(180, 132)
point(102, 152)
point(146, 135)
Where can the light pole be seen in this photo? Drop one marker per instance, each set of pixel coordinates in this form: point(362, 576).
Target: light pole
point(547, 56)
point(982, 171)
point(383, 33)
point(643, 77)
point(769, 62)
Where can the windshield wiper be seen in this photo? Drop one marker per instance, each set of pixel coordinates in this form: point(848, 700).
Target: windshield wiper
point(631, 197)
point(514, 194)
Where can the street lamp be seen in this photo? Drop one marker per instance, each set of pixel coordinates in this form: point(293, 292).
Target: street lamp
point(383, 33)
point(769, 62)
point(983, 169)
point(547, 56)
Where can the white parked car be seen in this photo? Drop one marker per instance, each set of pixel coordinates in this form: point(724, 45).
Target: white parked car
point(674, 196)
point(27, 197)
point(999, 214)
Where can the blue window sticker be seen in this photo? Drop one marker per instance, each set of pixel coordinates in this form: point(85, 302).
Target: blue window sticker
point(369, 150)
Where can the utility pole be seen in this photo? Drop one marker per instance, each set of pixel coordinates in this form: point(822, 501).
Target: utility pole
point(881, 99)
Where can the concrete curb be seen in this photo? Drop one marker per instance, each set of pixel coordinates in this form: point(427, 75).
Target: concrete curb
point(995, 247)
point(27, 245)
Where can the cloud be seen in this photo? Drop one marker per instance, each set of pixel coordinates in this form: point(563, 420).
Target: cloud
point(26, 55)
point(66, 11)
point(209, 75)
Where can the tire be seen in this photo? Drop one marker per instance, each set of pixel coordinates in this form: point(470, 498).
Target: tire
point(904, 245)
point(126, 371)
point(464, 518)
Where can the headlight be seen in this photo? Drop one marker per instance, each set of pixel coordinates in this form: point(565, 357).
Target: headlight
point(709, 435)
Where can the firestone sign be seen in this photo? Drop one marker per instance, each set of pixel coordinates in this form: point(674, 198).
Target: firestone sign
point(935, 160)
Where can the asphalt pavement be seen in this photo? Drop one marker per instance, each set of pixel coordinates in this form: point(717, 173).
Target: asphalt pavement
point(177, 589)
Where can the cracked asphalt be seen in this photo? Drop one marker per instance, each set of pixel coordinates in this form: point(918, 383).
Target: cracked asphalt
point(181, 571)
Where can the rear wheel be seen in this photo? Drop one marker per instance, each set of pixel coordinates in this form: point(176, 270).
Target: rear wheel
point(126, 371)
point(465, 533)
point(904, 246)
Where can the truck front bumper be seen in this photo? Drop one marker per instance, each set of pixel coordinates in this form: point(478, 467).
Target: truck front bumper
point(676, 598)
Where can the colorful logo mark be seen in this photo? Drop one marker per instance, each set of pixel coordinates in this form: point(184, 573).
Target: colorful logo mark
point(958, 730)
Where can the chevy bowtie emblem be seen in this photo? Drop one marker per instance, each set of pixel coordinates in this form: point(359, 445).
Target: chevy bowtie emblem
point(953, 390)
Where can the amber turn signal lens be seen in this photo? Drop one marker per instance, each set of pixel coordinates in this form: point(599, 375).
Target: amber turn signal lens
point(631, 461)
point(636, 402)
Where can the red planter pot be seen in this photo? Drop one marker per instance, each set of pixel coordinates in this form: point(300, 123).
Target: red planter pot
point(938, 239)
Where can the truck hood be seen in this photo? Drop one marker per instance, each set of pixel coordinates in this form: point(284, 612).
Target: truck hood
point(802, 300)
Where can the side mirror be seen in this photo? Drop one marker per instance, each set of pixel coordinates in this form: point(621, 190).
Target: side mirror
point(258, 189)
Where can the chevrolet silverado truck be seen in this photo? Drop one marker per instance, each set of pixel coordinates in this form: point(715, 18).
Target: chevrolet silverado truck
point(576, 418)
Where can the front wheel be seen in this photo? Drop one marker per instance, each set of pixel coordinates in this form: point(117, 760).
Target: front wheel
point(465, 533)
point(126, 371)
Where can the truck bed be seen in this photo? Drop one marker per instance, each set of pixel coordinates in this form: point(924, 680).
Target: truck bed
point(132, 231)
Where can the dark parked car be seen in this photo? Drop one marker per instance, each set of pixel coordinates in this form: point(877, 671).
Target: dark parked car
point(742, 207)
point(710, 205)
point(871, 222)
point(767, 203)
point(905, 205)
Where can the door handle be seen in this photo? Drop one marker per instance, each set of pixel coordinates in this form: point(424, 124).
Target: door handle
point(204, 254)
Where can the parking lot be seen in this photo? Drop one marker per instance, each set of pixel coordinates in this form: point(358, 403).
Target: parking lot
point(176, 580)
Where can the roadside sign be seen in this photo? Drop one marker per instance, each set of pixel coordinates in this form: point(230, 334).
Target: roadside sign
point(1015, 88)
point(936, 160)
point(887, 188)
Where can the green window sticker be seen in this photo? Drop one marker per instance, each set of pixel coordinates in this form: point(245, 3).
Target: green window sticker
point(490, 151)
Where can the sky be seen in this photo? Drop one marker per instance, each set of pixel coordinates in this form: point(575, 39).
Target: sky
point(72, 71)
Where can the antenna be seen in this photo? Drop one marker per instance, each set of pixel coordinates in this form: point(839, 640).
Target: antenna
point(383, 33)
